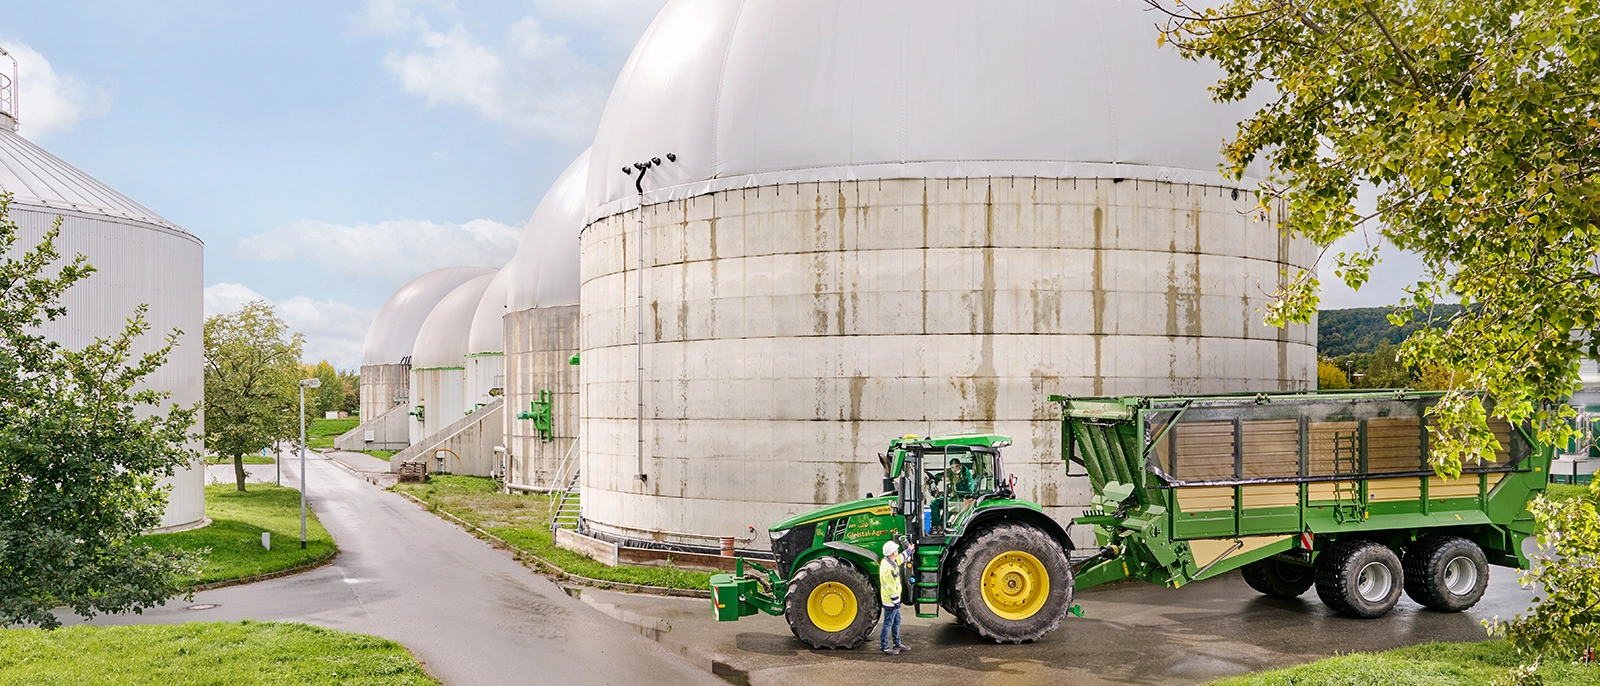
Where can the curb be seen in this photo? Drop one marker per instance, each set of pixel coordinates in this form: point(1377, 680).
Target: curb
point(547, 567)
point(302, 567)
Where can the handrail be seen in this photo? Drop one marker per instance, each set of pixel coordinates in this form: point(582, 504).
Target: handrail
point(560, 481)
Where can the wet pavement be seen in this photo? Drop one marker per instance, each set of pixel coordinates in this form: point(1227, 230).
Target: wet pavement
point(1132, 633)
point(471, 613)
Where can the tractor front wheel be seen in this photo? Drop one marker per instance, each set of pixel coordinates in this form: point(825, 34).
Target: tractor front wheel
point(830, 604)
point(1012, 583)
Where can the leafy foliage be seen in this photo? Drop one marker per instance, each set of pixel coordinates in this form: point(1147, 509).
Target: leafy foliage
point(1566, 621)
point(252, 383)
point(1477, 127)
point(1359, 330)
point(83, 444)
point(1330, 377)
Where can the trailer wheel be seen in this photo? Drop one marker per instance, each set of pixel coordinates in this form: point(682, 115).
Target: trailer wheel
point(1359, 579)
point(1011, 584)
point(1279, 579)
point(1446, 573)
point(830, 604)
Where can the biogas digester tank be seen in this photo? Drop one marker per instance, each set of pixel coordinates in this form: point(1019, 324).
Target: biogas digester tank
point(887, 218)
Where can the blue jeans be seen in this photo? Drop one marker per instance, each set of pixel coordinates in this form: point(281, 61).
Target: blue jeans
point(891, 622)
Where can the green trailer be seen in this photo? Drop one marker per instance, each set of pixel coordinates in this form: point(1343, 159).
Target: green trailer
point(1295, 490)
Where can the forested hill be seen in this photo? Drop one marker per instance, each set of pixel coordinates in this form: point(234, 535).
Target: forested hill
point(1360, 329)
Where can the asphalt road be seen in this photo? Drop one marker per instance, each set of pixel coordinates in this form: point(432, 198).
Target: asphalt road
point(470, 612)
point(1133, 633)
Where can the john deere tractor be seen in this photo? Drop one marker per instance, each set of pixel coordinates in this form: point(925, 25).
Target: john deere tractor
point(996, 563)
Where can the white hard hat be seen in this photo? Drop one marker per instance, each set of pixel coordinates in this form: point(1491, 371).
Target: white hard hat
point(890, 548)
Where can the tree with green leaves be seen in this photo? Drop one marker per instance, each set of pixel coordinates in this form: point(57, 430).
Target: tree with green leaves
point(1330, 377)
point(252, 383)
point(1476, 127)
point(330, 396)
point(85, 444)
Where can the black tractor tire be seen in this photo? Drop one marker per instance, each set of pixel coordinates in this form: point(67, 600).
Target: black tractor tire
point(966, 583)
point(1446, 573)
point(1359, 579)
point(1279, 579)
point(809, 578)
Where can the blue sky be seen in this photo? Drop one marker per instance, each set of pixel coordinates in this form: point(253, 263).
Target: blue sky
point(329, 151)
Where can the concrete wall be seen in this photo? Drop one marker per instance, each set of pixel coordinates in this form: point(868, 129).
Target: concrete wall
point(483, 377)
point(383, 386)
point(539, 343)
point(389, 431)
point(438, 390)
point(793, 330)
point(463, 447)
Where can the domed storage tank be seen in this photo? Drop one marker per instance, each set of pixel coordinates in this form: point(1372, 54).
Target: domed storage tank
point(139, 258)
point(485, 360)
point(386, 357)
point(438, 361)
point(542, 334)
point(888, 218)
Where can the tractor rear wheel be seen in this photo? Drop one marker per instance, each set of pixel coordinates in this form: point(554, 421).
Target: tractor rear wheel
point(1446, 573)
point(1360, 579)
point(1278, 579)
point(1012, 583)
point(830, 604)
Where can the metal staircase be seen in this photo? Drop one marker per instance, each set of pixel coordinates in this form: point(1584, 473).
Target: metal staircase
point(566, 509)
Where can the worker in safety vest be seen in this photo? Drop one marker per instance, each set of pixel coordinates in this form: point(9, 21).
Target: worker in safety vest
point(889, 571)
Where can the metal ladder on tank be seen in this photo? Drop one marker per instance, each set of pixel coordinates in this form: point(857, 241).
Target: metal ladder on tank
point(566, 509)
point(1347, 503)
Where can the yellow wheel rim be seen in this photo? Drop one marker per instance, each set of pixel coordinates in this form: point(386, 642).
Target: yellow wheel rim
point(832, 607)
point(1015, 585)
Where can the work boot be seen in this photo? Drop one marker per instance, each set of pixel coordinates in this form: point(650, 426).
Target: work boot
point(890, 651)
point(901, 649)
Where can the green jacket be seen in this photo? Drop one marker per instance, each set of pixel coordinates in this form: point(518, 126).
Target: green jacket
point(889, 581)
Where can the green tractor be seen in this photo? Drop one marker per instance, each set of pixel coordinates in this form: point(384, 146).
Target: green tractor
point(996, 563)
point(1295, 490)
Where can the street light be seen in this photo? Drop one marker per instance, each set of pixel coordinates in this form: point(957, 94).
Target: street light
point(312, 382)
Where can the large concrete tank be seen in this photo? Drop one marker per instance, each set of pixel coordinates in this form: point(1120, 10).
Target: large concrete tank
point(541, 330)
point(139, 258)
point(889, 218)
point(485, 360)
point(386, 358)
point(438, 361)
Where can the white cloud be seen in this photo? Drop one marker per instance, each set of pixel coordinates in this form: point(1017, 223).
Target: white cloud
point(49, 102)
point(334, 331)
point(530, 79)
point(383, 250)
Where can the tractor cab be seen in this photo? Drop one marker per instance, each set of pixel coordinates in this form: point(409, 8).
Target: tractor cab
point(940, 482)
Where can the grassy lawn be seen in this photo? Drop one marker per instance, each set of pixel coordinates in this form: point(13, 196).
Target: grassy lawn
point(248, 459)
point(234, 537)
point(321, 432)
point(524, 521)
point(1441, 664)
point(380, 454)
point(203, 653)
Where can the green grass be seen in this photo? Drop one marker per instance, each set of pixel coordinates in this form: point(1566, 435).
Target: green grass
point(524, 522)
point(380, 454)
point(203, 653)
point(234, 536)
point(1441, 664)
point(321, 432)
point(248, 459)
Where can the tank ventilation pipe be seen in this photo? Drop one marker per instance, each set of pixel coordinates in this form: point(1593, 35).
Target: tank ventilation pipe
point(642, 168)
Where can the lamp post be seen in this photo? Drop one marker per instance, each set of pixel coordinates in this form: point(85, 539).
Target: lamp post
point(312, 382)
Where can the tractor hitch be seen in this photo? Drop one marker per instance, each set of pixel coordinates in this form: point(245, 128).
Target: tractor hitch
point(741, 594)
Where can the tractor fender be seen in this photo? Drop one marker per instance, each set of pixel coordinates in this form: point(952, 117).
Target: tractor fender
point(1021, 514)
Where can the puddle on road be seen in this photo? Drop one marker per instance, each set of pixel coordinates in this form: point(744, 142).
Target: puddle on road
point(656, 629)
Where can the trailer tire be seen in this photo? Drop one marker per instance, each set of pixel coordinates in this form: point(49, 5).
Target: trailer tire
point(1011, 583)
point(1446, 573)
point(1279, 579)
point(1360, 579)
point(830, 585)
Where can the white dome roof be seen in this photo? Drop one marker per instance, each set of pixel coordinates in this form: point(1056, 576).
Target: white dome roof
point(394, 330)
point(442, 341)
point(758, 92)
point(487, 334)
point(38, 178)
point(544, 272)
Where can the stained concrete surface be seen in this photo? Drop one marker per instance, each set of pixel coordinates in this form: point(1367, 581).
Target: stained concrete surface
point(1132, 633)
point(471, 613)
